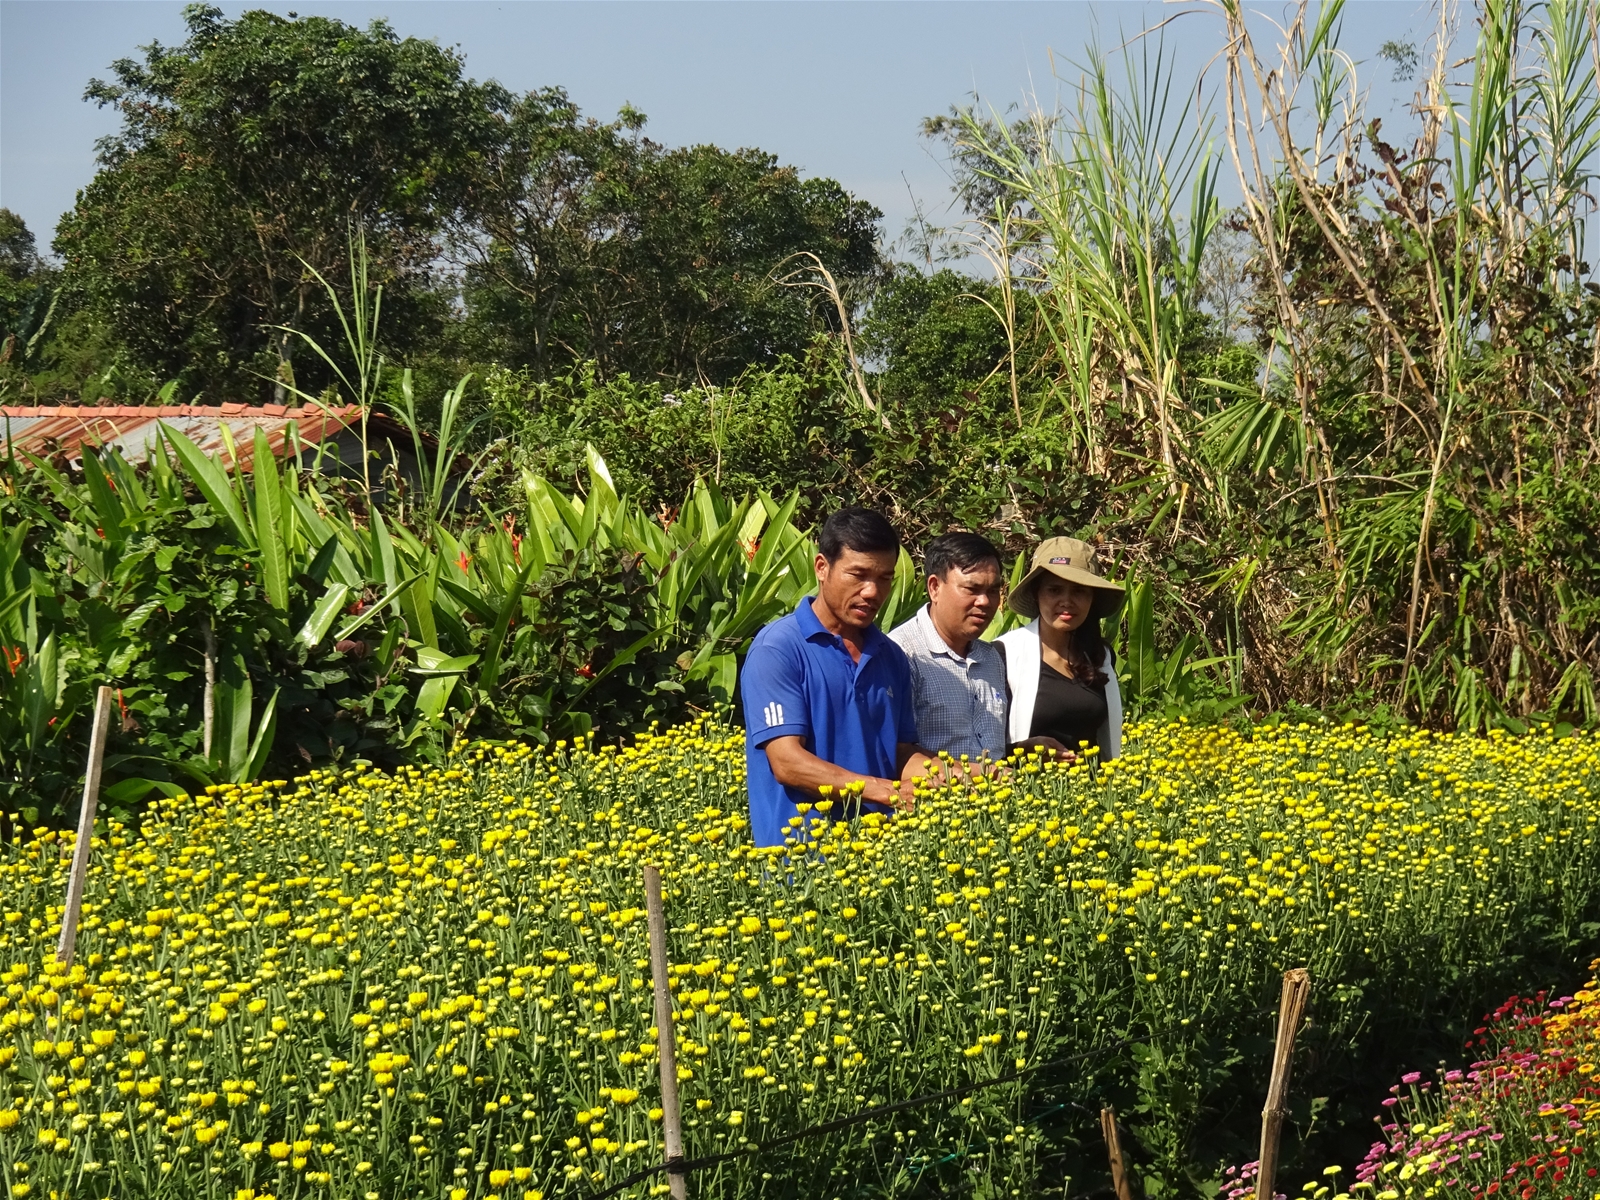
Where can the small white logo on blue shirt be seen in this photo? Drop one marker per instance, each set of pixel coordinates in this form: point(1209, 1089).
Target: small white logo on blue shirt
point(774, 715)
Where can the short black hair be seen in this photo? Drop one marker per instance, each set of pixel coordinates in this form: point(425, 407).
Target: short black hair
point(961, 550)
point(858, 529)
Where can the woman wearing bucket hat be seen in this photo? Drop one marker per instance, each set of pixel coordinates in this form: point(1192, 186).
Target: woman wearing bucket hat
point(1058, 666)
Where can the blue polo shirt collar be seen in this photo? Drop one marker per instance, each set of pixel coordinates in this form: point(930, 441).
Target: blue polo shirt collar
point(814, 630)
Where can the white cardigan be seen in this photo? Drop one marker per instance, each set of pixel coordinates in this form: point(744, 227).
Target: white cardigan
point(1022, 673)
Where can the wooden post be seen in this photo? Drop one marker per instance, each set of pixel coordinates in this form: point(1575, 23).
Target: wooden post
point(1291, 1007)
point(208, 703)
point(80, 850)
point(1119, 1169)
point(671, 1121)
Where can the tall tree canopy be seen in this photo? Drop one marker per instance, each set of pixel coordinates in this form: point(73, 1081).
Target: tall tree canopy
point(245, 156)
point(593, 243)
point(248, 155)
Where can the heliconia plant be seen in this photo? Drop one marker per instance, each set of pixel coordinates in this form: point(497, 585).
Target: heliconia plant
point(253, 621)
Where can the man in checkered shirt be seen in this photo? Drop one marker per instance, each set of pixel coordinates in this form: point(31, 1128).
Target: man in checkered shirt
point(958, 681)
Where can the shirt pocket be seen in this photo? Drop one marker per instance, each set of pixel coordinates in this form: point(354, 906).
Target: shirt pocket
point(991, 698)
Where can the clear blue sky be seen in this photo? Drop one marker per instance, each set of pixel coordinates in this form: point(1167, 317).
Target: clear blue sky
point(835, 88)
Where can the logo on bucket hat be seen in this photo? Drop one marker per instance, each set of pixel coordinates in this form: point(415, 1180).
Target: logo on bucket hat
point(1073, 561)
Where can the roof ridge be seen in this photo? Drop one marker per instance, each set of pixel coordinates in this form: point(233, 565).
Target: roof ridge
point(148, 411)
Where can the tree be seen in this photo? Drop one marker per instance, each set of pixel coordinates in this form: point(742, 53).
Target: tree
point(597, 244)
point(27, 295)
point(931, 335)
point(19, 253)
point(244, 158)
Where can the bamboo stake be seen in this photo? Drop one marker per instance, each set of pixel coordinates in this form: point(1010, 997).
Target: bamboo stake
point(1119, 1169)
point(671, 1121)
point(1291, 1007)
point(80, 850)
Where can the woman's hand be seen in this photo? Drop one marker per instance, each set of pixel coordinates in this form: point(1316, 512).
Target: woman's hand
point(1049, 749)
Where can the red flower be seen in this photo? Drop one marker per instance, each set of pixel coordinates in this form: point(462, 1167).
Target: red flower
point(586, 671)
point(14, 657)
point(462, 562)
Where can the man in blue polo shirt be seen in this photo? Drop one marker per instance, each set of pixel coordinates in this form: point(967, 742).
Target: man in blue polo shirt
point(827, 696)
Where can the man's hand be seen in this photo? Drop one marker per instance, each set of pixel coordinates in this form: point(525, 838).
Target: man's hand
point(921, 766)
point(795, 766)
point(880, 791)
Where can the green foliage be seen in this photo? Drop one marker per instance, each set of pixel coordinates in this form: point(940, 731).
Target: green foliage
point(1380, 499)
point(28, 296)
point(748, 436)
point(933, 335)
point(1384, 501)
point(596, 245)
point(337, 640)
point(243, 154)
point(931, 461)
point(505, 229)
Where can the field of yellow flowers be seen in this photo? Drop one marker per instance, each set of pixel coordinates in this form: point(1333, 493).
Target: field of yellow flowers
point(434, 983)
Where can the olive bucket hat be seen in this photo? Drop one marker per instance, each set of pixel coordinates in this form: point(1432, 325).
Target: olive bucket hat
point(1074, 561)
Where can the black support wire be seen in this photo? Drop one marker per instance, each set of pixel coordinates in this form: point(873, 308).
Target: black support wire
point(683, 1166)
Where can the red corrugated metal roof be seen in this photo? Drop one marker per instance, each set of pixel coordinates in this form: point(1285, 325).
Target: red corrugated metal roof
point(45, 429)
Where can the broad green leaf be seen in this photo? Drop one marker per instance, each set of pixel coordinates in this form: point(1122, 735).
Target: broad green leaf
point(133, 790)
point(431, 662)
point(779, 528)
point(322, 562)
point(230, 742)
point(570, 513)
point(326, 536)
point(208, 475)
point(323, 615)
point(10, 606)
point(270, 524)
point(600, 484)
point(43, 690)
point(266, 732)
point(383, 562)
point(107, 507)
point(724, 675)
point(752, 520)
point(432, 699)
point(417, 601)
point(489, 677)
